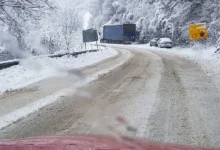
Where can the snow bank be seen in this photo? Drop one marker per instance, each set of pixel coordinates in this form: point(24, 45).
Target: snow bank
point(35, 69)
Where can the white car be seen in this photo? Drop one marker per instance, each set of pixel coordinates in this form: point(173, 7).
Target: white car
point(165, 43)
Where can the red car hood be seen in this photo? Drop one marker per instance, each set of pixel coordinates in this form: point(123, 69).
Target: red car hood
point(89, 142)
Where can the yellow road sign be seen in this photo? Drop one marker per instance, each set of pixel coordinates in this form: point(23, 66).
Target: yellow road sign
point(198, 31)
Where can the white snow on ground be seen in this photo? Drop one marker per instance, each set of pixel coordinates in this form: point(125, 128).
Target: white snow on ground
point(203, 56)
point(35, 106)
point(30, 108)
point(35, 69)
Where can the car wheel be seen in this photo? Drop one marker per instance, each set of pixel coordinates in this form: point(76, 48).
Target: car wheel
point(150, 45)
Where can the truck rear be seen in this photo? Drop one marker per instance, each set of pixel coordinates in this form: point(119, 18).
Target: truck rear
point(119, 33)
point(129, 32)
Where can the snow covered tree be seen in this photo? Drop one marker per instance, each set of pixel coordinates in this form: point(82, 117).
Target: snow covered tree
point(16, 13)
point(70, 24)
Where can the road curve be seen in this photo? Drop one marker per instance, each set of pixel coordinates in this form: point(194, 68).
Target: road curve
point(162, 97)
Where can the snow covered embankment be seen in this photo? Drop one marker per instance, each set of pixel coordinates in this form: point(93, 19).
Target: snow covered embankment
point(35, 69)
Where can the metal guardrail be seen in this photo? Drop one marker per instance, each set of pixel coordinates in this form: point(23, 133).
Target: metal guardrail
point(7, 64)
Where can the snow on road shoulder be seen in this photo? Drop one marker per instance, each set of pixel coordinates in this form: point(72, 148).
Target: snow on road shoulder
point(32, 70)
point(203, 56)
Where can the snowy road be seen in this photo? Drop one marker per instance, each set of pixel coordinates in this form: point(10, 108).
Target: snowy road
point(166, 97)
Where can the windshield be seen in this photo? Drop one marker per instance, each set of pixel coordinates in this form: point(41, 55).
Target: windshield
point(141, 69)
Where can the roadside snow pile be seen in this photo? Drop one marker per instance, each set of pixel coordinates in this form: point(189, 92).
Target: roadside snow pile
point(210, 62)
point(35, 69)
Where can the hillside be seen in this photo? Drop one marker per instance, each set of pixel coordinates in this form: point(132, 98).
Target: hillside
point(158, 18)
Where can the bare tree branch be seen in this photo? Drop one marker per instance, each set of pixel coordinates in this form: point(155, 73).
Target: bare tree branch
point(10, 16)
